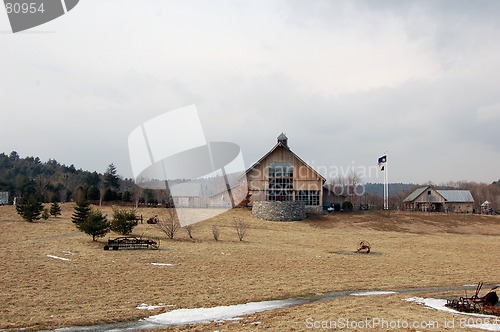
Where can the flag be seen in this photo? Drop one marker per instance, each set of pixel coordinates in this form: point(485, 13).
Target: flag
point(382, 160)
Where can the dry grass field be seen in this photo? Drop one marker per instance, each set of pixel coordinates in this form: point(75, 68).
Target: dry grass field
point(275, 261)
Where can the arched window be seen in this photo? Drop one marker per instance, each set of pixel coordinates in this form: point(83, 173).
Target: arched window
point(280, 182)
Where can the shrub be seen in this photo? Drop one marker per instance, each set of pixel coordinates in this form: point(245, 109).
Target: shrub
point(347, 206)
point(189, 230)
point(123, 221)
point(170, 225)
point(45, 214)
point(96, 225)
point(215, 232)
point(241, 228)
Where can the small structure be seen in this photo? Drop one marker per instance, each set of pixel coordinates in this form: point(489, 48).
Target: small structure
point(4, 197)
point(439, 200)
point(486, 208)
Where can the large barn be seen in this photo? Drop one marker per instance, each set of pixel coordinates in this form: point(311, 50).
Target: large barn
point(439, 200)
point(281, 175)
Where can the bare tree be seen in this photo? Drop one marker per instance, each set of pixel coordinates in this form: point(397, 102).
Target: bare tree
point(170, 225)
point(353, 180)
point(189, 230)
point(347, 186)
point(241, 228)
point(215, 232)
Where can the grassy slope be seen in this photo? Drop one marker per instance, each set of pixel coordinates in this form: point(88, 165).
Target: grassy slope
point(277, 260)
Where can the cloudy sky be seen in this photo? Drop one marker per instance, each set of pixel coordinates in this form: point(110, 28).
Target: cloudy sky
point(345, 80)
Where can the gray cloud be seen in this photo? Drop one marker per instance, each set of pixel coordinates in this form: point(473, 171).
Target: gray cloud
point(346, 80)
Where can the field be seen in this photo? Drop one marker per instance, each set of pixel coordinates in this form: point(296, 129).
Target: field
point(275, 261)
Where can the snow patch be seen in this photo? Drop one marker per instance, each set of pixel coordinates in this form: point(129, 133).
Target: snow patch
point(61, 258)
point(439, 304)
point(144, 306)
point(162, 264)
point(370, 293)
point(199, 315)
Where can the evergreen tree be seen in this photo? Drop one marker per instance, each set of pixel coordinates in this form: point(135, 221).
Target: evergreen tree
point(30, 207)
point(123, 221)
point(82, 211)
point(55, 209)
point(109, 195)
point(111, 180)
point(93, 193)
point(96, 225)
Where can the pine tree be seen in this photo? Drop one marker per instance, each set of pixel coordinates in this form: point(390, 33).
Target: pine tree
point(55, 209)
point(82, 211)
point(96, 224)
point(123, 221)
point(29, 207)
point(111, 180)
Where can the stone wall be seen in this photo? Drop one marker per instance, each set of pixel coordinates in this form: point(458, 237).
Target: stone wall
point(279, 211)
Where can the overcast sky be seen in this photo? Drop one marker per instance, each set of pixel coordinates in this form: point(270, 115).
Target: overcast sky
point(345, 80)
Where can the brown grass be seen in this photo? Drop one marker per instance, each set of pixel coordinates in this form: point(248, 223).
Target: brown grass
point(275, 261)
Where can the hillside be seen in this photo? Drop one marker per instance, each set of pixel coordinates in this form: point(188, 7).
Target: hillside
point(54, 180)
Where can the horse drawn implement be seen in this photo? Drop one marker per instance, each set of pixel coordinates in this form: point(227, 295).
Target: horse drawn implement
point(131, 242)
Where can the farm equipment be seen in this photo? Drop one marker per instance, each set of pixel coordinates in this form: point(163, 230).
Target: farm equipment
point(364, 246)
point(130, 242)
point(153, 220)
point(475, 303)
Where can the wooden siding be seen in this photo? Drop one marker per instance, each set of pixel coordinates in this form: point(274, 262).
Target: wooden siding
point(304, 177)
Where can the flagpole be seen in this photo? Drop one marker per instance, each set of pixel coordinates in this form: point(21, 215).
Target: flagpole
point(386, 185)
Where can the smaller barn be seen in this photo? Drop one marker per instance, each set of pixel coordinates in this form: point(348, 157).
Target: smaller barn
point(439, 200)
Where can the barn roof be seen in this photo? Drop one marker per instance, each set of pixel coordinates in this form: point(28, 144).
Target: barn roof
point(417, 192)
point(457, 196)
point(286, 147)
point(449, 195)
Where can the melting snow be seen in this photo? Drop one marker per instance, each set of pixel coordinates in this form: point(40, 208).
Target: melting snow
point(198, 315)
point(373, 293)
point(61, 258)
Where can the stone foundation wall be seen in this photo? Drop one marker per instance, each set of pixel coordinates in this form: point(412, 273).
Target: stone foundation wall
point(279, 211)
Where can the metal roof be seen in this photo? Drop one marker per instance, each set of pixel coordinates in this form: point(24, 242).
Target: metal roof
point(450, 195)
point(457, 196)
point(415, 194)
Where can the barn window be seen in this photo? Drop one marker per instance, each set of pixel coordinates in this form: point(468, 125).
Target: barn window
point(429, 192)
point(309, 197)
point(280, 182)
